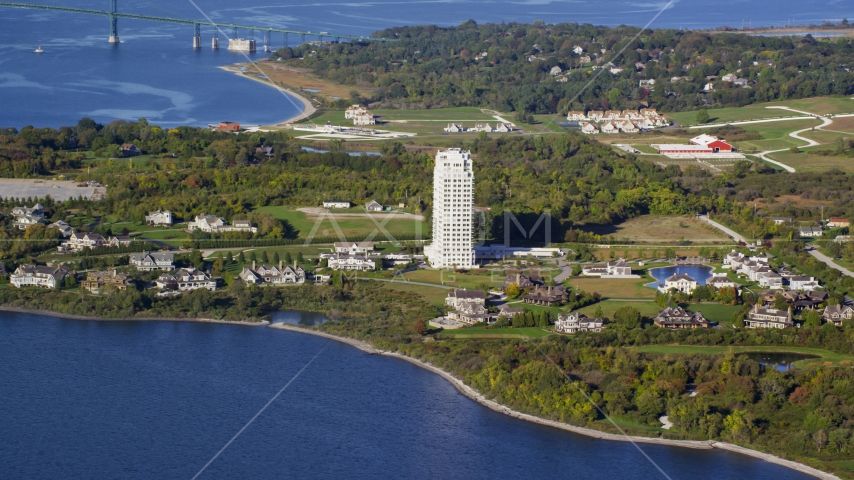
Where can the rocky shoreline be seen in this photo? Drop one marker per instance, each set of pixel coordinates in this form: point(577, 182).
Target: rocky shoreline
point(465, 389)
point(492, 405)
point(69, 316)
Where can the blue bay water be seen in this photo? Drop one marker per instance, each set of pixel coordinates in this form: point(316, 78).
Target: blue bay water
point(155, 74)
point(87, 399)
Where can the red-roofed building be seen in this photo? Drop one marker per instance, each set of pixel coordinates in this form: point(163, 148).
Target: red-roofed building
point(229, 126)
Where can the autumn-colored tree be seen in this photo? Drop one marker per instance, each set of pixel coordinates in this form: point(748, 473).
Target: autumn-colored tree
point(800, 396)
point(420, 327)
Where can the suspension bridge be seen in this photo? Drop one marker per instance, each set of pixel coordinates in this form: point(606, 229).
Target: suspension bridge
point(268, 32)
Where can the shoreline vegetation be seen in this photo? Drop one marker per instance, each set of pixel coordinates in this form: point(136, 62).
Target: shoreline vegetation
point(466, 390)
point(307, 108)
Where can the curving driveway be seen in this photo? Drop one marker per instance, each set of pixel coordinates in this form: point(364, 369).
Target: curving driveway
point(735, 236)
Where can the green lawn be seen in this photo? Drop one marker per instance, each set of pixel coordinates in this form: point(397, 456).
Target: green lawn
point(483, 332)
point(775, 135)
point(826, 356)
point(353, 228)
point(818, 105)
point(802, 162)
point(614, 287)
point(436, 296)
point(715, 312)
point(646, 308)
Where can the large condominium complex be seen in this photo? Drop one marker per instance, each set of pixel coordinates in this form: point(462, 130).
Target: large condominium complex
point(453, 184)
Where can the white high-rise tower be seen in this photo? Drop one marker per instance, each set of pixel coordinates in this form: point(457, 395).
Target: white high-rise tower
point(453, 201)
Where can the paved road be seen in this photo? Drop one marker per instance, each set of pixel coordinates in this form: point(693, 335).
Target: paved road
point(724, 229)
point(564, 274)
point(830, 263)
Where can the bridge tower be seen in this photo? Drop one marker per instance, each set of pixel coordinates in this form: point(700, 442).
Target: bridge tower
point(114, 23)
point(197, 36)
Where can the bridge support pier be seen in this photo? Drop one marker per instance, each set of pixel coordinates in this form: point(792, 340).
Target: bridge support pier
point(114, 23)
point(215, 43)
point(113, 39)
point(197, 38)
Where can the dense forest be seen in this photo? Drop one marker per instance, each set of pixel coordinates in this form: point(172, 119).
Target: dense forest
point(431, 66)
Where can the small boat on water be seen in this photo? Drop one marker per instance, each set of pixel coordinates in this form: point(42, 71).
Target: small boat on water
point(38, 49)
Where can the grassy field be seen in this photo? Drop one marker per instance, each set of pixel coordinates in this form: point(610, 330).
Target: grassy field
point(819, 105)
point(648, 309)
point(427, 124)
point(775, 135)
point(301, 78)
point(827, 357)
point(355, 229)
point(614, 287)
point(658, 230)
point(453, 279)
point(435, 296)
point(483, 332)
point(813, 163)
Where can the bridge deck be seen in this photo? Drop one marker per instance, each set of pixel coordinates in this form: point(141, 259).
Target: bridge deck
point(185, 21)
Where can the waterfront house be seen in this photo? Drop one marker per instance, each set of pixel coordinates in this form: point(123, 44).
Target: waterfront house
point(97, 280)
point(27, 216)
point(458, 296)
point(374, 206)
point(470, 313)
point(272, 275)
point(836, 314)
point(39, 276)
point(618, 268)
point(761, 317)
point(547, 295)
point(679, 282)
point(336, 204)
point(159, 217)
point(184, 280)
point(720, 280)
point(148, 261)
point(574, 322)
point(679, 318)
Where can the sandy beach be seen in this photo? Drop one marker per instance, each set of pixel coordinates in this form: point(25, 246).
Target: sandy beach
point(307, 108)
point(492, 405)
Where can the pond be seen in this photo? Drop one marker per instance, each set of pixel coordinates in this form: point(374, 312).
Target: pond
point(352, 154)
point(700, 273)
point(295, 317)
point(781, 361)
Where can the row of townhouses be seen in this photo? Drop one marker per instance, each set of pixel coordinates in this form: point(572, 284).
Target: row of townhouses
point(756, 269)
